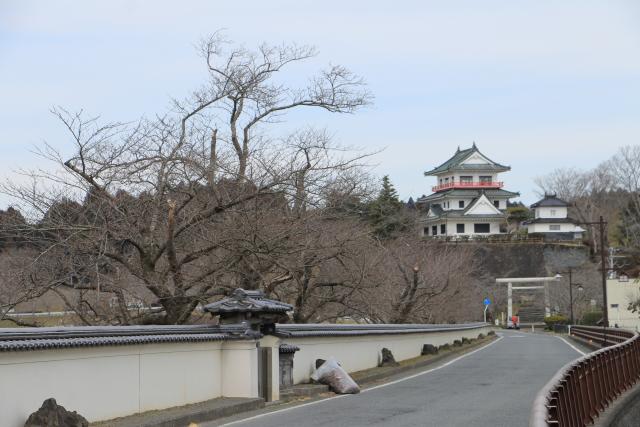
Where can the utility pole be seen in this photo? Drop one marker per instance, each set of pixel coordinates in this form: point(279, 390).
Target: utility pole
point(603, 257)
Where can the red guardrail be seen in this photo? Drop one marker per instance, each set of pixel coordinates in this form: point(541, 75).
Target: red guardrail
point(582, 389)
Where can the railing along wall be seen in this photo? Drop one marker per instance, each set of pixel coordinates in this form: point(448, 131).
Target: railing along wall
point(582, 389)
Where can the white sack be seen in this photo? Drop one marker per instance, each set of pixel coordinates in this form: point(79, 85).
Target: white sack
point(332, 374)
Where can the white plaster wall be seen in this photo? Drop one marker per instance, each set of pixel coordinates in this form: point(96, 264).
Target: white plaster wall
point(240, 369)
point(545, 212)
point(544, 228)
point(108, 382)
point(454, 203)
point(622, 293)
point(356, 353)
point(494, 228)
point(456, 177)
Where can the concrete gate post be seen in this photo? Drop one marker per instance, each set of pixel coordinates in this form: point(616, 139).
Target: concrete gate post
point(274, 343)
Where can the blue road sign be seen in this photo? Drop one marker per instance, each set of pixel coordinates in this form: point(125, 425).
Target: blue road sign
point(487, 301)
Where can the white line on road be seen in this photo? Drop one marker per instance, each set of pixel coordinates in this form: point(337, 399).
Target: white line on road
point(255, 417)
point(572, 346)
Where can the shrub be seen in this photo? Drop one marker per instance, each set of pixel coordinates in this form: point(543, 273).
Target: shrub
point(591, 318)
point(556, 319)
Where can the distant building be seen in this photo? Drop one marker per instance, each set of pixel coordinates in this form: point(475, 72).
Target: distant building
point(551, 220)
point(467, 199)
point(620, 292)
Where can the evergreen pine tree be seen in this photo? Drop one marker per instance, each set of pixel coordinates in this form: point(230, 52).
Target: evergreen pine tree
point(385, 212)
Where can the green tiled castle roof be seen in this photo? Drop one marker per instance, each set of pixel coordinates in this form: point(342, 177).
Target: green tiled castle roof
point(466, 193)
point(455, 163)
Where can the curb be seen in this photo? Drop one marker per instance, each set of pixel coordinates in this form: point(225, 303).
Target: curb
point(184, 415)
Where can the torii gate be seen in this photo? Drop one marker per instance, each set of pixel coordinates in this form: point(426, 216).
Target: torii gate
point(510, 288)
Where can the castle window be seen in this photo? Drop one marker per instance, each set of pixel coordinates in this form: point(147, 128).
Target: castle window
point(459, 228)
point(434, 230)
point(552, 212)
point(554, 227)
point(485, 179)
point(461, 204)
point(443, 229)
point(481, 228)
point(466, 179)
point(496, 203)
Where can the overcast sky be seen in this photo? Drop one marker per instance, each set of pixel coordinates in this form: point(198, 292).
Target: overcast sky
point(537, 84)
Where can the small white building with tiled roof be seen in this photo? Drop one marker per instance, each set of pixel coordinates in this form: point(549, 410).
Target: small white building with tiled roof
point(468, 198)
point(551, 220)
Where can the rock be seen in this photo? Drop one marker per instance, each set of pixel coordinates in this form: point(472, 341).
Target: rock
point(457, 343)
point(491, 333)
point(480, 336)
point(444, 347)
point(387, 358)
point(51, 414)
point(429, 349)
point(466, 341)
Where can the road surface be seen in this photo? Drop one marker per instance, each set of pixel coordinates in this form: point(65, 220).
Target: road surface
point(492, 386)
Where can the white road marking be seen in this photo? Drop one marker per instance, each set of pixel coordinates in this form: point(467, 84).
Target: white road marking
point(571, 345)
point(516, 336)
point(340, 396)
point(432, 369)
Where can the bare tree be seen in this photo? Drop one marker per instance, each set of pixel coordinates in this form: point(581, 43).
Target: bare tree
point(243, 85)
point(145, 209)
point(591, 194)
point(310, 254)
point(425, 281)
point(625, 168)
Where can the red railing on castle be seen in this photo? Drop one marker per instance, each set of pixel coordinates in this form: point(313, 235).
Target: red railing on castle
point(463, 185)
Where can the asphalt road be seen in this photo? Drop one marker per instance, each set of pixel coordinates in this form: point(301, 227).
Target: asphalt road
point(493, 386)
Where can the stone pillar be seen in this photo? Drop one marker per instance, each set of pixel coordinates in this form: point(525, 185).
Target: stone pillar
point(240, 369)
point(509, 302)
point(547, 303)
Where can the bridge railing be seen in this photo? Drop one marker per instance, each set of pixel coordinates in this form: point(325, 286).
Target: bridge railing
point(603, 336)
point(582, 389)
